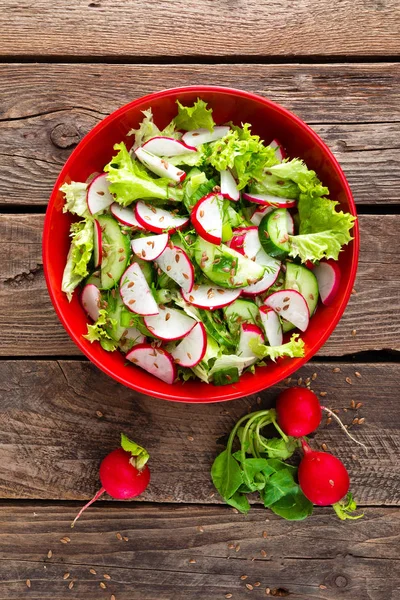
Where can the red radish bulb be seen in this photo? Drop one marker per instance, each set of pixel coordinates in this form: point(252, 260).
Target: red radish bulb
point(123, 473)
point(323, 478)
point(299, 411)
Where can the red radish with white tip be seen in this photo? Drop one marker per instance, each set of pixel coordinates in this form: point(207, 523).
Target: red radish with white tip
point(268, 200)
point(206, 217)
point(150, 248)
point(210, 297)
point(259, 213)
point(229, 188)
point(157, 219)
point(175, 263)
point(99, 196)
point(123, 473)
point(135, 292)
point(196, 137)
point(97, 243)
point(165, 146)
point(292, 306)
point(90, 299)
point(126, 216)
point(156, 361)
point(170, 324)
point(248, 332)
point(272, 326)
point(328, 276)
point(191, 350)
point(159, 166)
point(323, 478)
point(279, 151)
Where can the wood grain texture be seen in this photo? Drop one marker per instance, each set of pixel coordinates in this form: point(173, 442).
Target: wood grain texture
point(320, 559)
point(47, 109)
point(30, 326)
point(178, 28)
point(52, 441)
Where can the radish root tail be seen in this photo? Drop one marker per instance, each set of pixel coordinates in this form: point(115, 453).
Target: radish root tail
point(96, 497)
point(334, 416)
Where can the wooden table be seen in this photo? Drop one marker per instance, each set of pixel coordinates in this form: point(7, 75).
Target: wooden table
point(64, 66)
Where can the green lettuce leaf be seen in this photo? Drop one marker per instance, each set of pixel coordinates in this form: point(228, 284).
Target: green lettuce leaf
point(131, 181)
point(139, 454)
point(97, 332)
point(323, 230)
point(79, 255)
point(290, 179)
point(244, 153)
point(192, 159)
point(148, 129)
point(194, 117)
point(293, 349)
point(75, 198)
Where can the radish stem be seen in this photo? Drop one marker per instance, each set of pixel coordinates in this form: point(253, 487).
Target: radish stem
point(96, 497)
point(334, 416)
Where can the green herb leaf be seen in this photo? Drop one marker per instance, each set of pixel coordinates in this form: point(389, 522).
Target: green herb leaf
point(293, 349)
point(240, 502)
point(345, 507)
point(293, 506)
point(278, 447)
point(278, 485)
point(139, 454)
point(226, 474)
point(194, 117)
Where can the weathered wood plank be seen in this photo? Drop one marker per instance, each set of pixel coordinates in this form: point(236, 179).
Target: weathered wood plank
point(48, 407)
point(319, 559)
point(42, 118)
point(194, 28)
point(30, 326)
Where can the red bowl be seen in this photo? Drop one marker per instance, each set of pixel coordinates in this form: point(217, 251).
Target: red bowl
point(268, 120)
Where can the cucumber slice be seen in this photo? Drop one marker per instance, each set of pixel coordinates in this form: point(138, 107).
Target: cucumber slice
point(241, 311)
point(116, 252)
point(94, 278)
point(115, 306)
point(226, 376)
point(225, 266)
point(273, 233)
point(128, 319)
point(216, 329)
point(302, 280)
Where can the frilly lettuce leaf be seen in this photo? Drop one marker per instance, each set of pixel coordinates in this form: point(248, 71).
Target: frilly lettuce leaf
point(194, 117)
point(323, 230)
point(79, 255)
point(131, 181)
point(75, 198)
point(293, 349)
point(139, 454)
point(148, 129)
point(244, 153)
point(192, 159)
point(289, 179)
point(97, 332)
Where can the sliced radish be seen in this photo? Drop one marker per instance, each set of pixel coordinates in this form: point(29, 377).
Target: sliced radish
point(131, 334)
point(229, 188)
point(157, 219)
point(90, 299)
point(97, 244)
point(165, 146)
point(170, 324)
point(155, 361)
point(196, 137)
point(268, 200)
point(290, 223)
point(237, 240)
point(175, 263)
point(210, 297)
point(135, 292)
point(206, 218)
point(191, 350)
point(248, 332)
point(259, 213)
point(328, 276)
point(159, 166)
point(272, 268)
point(99, 196)
point(150, 248)
point(290, 305)
point(279, 152)
point(126, 215)
point(272, 325)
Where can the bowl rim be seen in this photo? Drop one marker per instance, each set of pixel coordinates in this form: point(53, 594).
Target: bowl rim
point(295, 363)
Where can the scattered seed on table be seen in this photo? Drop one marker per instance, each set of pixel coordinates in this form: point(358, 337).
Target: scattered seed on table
point(359, 405)
point(106, 576)
point(348, 380)
point(190, 438)
point(28, 583)
point(113, 597)
point(263, 553)
point(118, 536)
point(66, 575)
point(70, 585)
point(324, 447)
point(235, 510)
point(322, 587)
point(268, 591)
point(308, 380)
point(361, 421)
point(192, 561)
point(336, 370)
point(287, 380)
point(299, 381)
point(354, 332)
point(228, 595)
point(257, 584)
point(65, 540)
point(125, 538)
point(357, 374)
point(264, 534)
point(314, 376)
point(323, 394)
point(200, 529)
point(243, 577)
point(231, 546)
point(329, 420)
point(249, 586)
point(212, 495)
point(354, 291)
point(99, 414)
point(92, 571)
point(354, 421)
point(49, 554)
point(102, 585)
point(352, 404)
point(237, 547)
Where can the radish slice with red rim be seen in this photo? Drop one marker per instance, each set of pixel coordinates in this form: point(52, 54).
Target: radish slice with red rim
point(229, 189)
point(175, 263)
point(131, 337)
point(268, 200)
point(126, 216)
point(210, 297)
point(272, 268)
point(191, 350)
point(206, 218)
point(90, 299)
point(328, 276)
point(279, 151)
point(135, 292)
point(259, 213)
point(99, 196)
point(290, 305)
point(170, 324)
point(150, 248)
point(196, 137)
point(155, 361)
point(248, 332)
point(159, 166)
point(97, 244)
point(165, 146)
point(157, 219)
point(272, 326)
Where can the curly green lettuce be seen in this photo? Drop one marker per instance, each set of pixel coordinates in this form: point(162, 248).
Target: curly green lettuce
point(194, 117)
point(148, 129)
point(293, 349)
point(289, 179)
point(98, 333)
point(75, 198)
point(79, 255)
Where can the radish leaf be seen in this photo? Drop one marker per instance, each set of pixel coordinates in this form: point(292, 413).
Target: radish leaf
point(140, 456)
point(226, 474)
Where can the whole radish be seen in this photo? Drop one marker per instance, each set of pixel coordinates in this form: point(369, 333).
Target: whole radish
point(323, 478)
point(123, 473)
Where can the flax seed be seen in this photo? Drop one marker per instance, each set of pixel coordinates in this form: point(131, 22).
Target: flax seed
point(113, 597)
point(264, 534)
point(28, 583)
point(288, 380)
point(263, 553)
point(200, 529)
point(177, 258)
point(322, 587)
point(323, 394)
point(131, 284)
point(267, 591)
point(102, 585)
point(348, 380)
point(231, 546)
point(324, 447)
point(106, 576)
point(359, 405)
point(65, 540)
point(299, 381)
point(192, 561)
point(99, 414)
point(329, 421)
point(352, 404)
point(354, 332)
point(125, 538)
point(66, 575)
point(109, 275)
point(92, 571)
point(237, 547)
point(185, 275)
point(49, 554)
point(336, 370)
point(314, 376)
point(361, 421)
point(118, 536)
point(190, 438)
point(191, 299)
point(257, 584)
point(243, 577)
point(167, 316)
point(357, 374)
point(228, 595)
point(249, 586)
point(132, 301)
